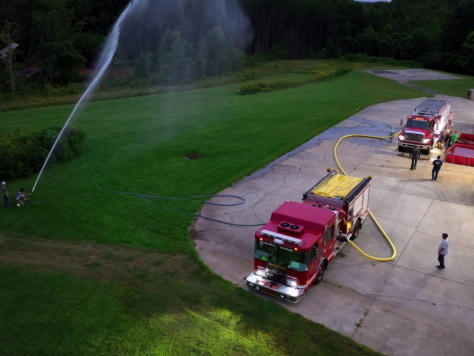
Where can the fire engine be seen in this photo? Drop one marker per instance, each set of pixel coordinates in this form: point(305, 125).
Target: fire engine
point(293, 250)
point(424, 125)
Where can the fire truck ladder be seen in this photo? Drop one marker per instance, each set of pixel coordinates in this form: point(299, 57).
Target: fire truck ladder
point(394, 254)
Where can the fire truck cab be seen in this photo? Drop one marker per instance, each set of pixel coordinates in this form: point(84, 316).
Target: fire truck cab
point(293, 249)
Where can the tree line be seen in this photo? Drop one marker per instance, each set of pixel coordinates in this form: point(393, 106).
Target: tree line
point(436, 33)
point(62, 36)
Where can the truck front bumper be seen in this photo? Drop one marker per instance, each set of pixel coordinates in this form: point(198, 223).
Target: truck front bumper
point(267, 286)
point(420, 146)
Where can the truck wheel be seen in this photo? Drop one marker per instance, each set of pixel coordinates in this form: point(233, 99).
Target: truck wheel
point(320, 273)
point(401, 149)
point(356, 230)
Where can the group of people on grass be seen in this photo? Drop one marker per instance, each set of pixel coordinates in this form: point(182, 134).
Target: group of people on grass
point(20, 198)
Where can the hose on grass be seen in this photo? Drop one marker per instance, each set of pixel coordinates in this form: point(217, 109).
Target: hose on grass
point(239, 201)
point(385, 235)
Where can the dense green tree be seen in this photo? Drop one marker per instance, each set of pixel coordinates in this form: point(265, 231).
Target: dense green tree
point(217, 54)
point(176, 63)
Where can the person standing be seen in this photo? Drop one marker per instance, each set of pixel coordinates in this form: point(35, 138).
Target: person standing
point(442, 250)
point(414, 155)
point(5, 194)
point(437, 163)
point(440, 140)
point(447, 141)
point(455, 138)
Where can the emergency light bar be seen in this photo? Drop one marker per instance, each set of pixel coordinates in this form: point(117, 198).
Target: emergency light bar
point(286, 238)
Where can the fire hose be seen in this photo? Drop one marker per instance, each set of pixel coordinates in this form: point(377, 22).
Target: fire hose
point(379, 259)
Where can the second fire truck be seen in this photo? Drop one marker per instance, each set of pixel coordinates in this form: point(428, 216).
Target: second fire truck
point(424, 125)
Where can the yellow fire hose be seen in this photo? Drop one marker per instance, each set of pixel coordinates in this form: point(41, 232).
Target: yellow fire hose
point(380, 259)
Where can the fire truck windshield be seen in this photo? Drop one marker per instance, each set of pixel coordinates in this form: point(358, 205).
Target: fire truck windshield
point(418, 124)
point(281, 256)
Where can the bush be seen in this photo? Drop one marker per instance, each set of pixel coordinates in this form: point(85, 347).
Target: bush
point(316, 75)
point(23, 154)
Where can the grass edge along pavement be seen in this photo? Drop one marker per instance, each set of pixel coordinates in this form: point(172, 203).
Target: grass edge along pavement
point(211, 292)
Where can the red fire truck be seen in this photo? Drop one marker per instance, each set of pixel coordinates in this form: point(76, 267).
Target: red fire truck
point(293, 250)
point(424, 125)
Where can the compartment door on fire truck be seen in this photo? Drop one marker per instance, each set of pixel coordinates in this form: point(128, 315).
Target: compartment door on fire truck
point(315, 256)
point(328, 241)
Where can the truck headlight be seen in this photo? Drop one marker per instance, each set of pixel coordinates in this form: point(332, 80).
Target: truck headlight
point(401, 137)
point(291, 282)
point(260, 271)
point(426, 140)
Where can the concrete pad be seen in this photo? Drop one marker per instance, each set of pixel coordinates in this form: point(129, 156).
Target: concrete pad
point(357, 273)
point(455, 219)
point(400, 331)
point(371, 240)
point(222, 256)
point(336, 307)
point(406, 209)
point(422, 252)
point(412, 74)
point(433, 295)
point(403, 307)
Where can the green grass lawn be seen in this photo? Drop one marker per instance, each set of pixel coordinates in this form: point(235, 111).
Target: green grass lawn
point(140, 145)
point(453, 87)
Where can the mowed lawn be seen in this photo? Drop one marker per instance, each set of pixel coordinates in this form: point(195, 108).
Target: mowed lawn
point(453, 87)
point(141, 145)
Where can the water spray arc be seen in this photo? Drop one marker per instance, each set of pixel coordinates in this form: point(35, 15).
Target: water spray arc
point(104, 61)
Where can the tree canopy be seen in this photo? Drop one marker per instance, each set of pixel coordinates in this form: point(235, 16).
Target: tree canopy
point(63, 36)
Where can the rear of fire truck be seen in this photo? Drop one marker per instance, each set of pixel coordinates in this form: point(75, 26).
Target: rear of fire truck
point(347, 195)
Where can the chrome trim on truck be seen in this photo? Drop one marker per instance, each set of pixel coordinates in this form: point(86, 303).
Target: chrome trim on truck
point(265, 285)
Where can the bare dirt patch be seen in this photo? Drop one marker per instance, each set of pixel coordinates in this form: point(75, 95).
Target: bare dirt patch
point(123, 265)
point(193, 156)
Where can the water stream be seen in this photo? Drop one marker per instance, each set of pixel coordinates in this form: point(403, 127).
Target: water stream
point(103, 63)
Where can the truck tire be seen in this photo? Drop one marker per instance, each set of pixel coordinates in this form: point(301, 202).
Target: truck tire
point(401, 148)
point(356, 230)
point(320, 273)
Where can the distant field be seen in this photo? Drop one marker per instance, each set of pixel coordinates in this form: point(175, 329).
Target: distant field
point(147, 145)
point(294, 72)
point(453, 87)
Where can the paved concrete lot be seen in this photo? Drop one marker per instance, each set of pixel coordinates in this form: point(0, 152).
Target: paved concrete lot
point(404, 307)
point(412, 74)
